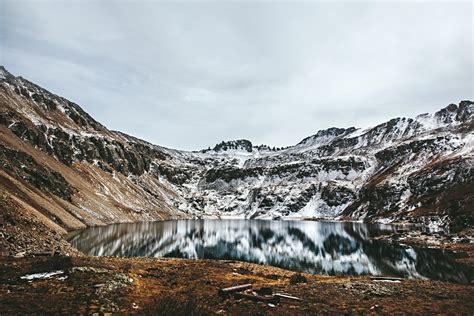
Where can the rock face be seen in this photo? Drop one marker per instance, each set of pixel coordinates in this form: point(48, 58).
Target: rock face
point(241, 144)
point(24, 167)
point(407, 169)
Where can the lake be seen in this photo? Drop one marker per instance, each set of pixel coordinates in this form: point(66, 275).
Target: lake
point(333, 248)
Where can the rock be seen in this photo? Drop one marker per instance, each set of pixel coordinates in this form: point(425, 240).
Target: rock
point(20, 254)
point(89, 270)
point(119, 280)
point(298, 278)
point(264, 291)
point(241, 144)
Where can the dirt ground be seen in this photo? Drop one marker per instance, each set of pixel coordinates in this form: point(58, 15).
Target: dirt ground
point(89, 285)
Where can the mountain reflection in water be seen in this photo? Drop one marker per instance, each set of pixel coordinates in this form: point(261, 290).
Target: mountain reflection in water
point(305, 246)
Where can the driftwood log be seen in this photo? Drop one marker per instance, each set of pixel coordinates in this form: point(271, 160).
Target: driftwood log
point(283, 295)
point(258, 298)
point(225, 292)
point(263, 294)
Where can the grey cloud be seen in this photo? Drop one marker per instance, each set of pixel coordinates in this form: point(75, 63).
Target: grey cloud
point(190, 74)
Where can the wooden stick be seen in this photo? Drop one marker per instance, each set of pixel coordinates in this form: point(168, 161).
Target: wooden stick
point(283, 295)
point(267, 299)
point(225, 292)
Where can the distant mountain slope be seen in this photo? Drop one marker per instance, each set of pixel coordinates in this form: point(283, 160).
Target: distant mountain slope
point(415, 170)
point(74, 171)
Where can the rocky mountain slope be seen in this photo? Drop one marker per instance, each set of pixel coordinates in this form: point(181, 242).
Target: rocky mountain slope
point(70, 171)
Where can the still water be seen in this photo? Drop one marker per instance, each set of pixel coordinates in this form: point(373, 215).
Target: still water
point(305, 246)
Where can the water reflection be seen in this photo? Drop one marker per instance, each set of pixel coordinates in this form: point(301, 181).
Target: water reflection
point(306, 246)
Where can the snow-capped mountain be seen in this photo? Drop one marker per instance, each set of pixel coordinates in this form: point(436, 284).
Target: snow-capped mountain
point(406, 169)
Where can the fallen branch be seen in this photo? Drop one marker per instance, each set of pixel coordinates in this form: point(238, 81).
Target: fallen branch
point(283, 295)
point(229, 290)
point(258, 298)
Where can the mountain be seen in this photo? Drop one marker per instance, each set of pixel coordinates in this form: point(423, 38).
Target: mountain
point(69, 171)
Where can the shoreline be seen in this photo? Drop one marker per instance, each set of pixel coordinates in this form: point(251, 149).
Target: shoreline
point(91, 285)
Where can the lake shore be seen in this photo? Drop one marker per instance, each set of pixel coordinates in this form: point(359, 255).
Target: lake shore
point(91, 285)
point(83, 284)
point(461, 244)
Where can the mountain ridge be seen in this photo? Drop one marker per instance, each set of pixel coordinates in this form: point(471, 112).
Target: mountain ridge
point(405, 169)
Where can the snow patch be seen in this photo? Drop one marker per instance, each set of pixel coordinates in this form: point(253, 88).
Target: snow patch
point(43, 275)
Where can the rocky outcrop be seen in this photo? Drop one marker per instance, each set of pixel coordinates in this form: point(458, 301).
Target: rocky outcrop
point(22, 166)
point(241, 144)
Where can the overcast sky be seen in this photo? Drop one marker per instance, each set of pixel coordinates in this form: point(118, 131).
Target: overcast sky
point(189, 75)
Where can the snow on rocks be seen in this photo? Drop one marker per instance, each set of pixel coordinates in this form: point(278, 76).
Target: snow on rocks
point(391, 170)
point(43, 275)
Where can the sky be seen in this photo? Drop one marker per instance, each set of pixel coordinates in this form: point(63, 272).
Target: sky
point(188, 75)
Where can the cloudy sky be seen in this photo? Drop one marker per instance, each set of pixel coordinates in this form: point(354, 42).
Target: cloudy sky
point(189, 74)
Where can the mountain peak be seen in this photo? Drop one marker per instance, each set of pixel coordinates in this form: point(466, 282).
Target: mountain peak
point(4, 73)
point(239, 144)
point(326, 135)
point(454, 112)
